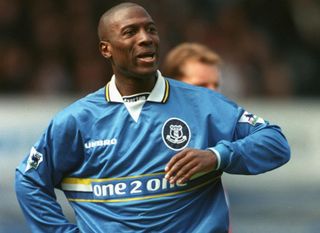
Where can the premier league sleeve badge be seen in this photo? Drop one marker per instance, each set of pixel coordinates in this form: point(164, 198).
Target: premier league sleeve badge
point(35, 158)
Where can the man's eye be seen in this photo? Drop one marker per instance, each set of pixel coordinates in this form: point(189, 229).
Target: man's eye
point(152, 30)
point(129, 32)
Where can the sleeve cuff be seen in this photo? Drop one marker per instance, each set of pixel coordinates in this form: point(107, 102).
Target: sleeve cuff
point(223, 154)
point(218, 157)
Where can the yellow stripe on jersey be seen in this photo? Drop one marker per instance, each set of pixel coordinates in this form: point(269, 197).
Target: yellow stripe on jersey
point(84, 184)
point(74, 180)
point(214, 180)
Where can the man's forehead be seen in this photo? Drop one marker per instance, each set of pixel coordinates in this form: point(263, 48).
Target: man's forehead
point(122, 16)
point(130, 15)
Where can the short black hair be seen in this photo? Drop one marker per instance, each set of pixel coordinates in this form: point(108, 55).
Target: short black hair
point(109, 13)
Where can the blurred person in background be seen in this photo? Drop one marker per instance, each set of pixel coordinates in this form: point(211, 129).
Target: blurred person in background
point(195, 64)
point(145, 152)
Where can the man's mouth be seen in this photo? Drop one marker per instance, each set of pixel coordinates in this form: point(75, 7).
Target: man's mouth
point(147, 57)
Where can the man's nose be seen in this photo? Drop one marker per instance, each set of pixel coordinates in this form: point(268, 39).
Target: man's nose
point(145, 37)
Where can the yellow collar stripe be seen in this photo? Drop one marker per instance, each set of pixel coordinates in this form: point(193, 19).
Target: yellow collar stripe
point(107, 92)
point(166, 92)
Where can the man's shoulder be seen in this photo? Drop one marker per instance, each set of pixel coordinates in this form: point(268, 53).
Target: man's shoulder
point(81, 107)
point(200, 95)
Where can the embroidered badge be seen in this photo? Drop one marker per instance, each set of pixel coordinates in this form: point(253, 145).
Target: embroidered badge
point(35, 158)
point(176, 134)
point(251, 119)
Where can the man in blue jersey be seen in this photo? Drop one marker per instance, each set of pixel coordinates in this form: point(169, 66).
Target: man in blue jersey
point(144, 153)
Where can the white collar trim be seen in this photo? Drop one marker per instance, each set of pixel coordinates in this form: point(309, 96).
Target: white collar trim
point(159, 93)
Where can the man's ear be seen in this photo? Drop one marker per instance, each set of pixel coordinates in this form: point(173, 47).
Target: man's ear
point(105, 49)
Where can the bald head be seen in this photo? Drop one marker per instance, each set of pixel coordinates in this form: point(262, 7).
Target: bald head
point(109, 16)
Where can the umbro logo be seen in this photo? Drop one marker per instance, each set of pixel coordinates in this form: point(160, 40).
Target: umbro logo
point(105, 142)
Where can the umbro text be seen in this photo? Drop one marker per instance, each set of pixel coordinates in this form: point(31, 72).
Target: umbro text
point(105, 142)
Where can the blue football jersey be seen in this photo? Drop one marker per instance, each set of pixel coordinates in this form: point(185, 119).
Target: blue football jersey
point(108, 153)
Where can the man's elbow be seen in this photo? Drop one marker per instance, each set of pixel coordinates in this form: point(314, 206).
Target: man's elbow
point(287, 153)
point(18, 184)
point(284, 154)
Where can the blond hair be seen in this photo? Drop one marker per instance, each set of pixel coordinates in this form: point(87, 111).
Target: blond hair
point(176, 58)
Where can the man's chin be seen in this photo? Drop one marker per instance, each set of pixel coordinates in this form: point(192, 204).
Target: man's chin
point(146, 72)
point(139, 72)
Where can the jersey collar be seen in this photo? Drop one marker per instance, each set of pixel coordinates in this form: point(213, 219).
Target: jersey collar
point(159, 93)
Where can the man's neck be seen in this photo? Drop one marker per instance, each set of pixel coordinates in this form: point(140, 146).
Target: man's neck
point(129, 86)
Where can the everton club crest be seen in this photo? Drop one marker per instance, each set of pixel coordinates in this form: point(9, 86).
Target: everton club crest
point(176, 134)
